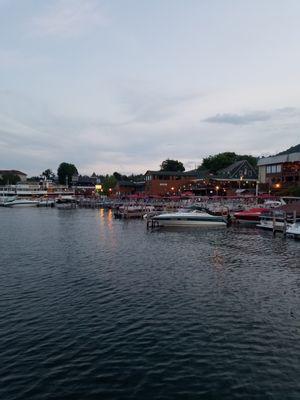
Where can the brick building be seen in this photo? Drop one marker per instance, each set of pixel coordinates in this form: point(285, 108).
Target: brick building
point(164, 183)
point(282, 171)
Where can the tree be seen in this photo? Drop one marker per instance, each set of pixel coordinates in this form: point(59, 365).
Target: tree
point(108, 183)
point(117, 176)
point(65, 173)
point(48, 173)
point(172, 165)
point(9, 179)
point(223, 160)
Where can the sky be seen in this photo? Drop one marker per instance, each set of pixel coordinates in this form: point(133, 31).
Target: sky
point(121, 85)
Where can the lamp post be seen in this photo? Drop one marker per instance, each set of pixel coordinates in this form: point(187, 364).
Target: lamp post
point(240, 181)
point(256, 188)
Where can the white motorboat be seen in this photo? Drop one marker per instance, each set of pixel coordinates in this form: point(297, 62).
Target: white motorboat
point(294, 230)
point(281, 217)
point(21, 203)
point(190, 217)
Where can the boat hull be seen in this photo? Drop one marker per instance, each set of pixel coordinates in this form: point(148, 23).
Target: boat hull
point(21, 204)
point(294, 231)
point(191, 223)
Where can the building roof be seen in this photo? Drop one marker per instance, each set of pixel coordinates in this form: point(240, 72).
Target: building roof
point(172, 173)
point(12, 172)
point(292, 157)
point(236, 170)
point(130, 183)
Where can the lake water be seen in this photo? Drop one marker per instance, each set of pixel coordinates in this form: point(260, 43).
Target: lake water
point(97, 308)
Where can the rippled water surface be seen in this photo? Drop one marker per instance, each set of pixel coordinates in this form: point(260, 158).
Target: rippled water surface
point(97, 308)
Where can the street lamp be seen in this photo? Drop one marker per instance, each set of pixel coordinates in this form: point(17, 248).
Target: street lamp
point(241, 179)
point(217, 189)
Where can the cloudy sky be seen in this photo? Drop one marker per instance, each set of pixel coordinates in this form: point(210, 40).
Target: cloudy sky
point(120, 85)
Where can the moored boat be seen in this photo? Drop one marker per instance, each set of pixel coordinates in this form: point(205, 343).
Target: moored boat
point(66, 203)
point(21, 203)
point(189, 217)
point(294, 230)
point(251, 216)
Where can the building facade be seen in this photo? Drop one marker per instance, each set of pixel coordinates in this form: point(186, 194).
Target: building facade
point(167, 183)
point(282, 171)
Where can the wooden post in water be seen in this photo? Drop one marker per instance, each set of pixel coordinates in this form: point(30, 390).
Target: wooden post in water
point(274, 225)
point(284, 223)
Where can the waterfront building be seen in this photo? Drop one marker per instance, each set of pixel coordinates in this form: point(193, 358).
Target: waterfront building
point(124, 188)
point(164, 183)
point(20, 174)
point(281, 171)
point(237, 178)
point(85, 185)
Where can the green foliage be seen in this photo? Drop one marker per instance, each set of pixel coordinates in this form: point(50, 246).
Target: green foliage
point(65, 173)
point(120, 177)
point(292, 191)
point(9, 179)
point(137, 178)
point(172, 165)
point(222, 160)
point(108, 182)
point(34, 179)
point(48, 173)
point(293, 149)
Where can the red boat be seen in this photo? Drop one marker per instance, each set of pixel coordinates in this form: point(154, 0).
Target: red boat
point(251, 216)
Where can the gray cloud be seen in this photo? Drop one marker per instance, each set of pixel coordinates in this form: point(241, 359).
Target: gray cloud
point(252, 117)
point(239, 119)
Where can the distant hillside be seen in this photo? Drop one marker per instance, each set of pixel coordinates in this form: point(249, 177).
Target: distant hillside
point(293, 149)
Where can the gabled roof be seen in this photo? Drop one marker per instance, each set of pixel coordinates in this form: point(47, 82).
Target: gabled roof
point(238, 169)
point(131, 183)
point(200, 173)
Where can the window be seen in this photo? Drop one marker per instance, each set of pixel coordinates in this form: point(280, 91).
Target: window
point(274, 169)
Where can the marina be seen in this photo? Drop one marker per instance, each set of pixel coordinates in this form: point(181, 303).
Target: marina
point(149, 200)
point(104, 306)
point(270, 214)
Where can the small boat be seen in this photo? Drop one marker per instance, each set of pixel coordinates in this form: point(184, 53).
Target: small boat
point(66, 203)
point(270, 218)
point(281, 217)
point(134, 211)
point(251, 216)
point(21, 203)
point(46, 203)
point(189, 217)
point(294, 230)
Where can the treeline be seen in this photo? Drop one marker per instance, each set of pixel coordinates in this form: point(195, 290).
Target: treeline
point(212, 164)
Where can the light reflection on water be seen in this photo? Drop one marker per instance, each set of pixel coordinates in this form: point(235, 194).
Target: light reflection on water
point(93, 307)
